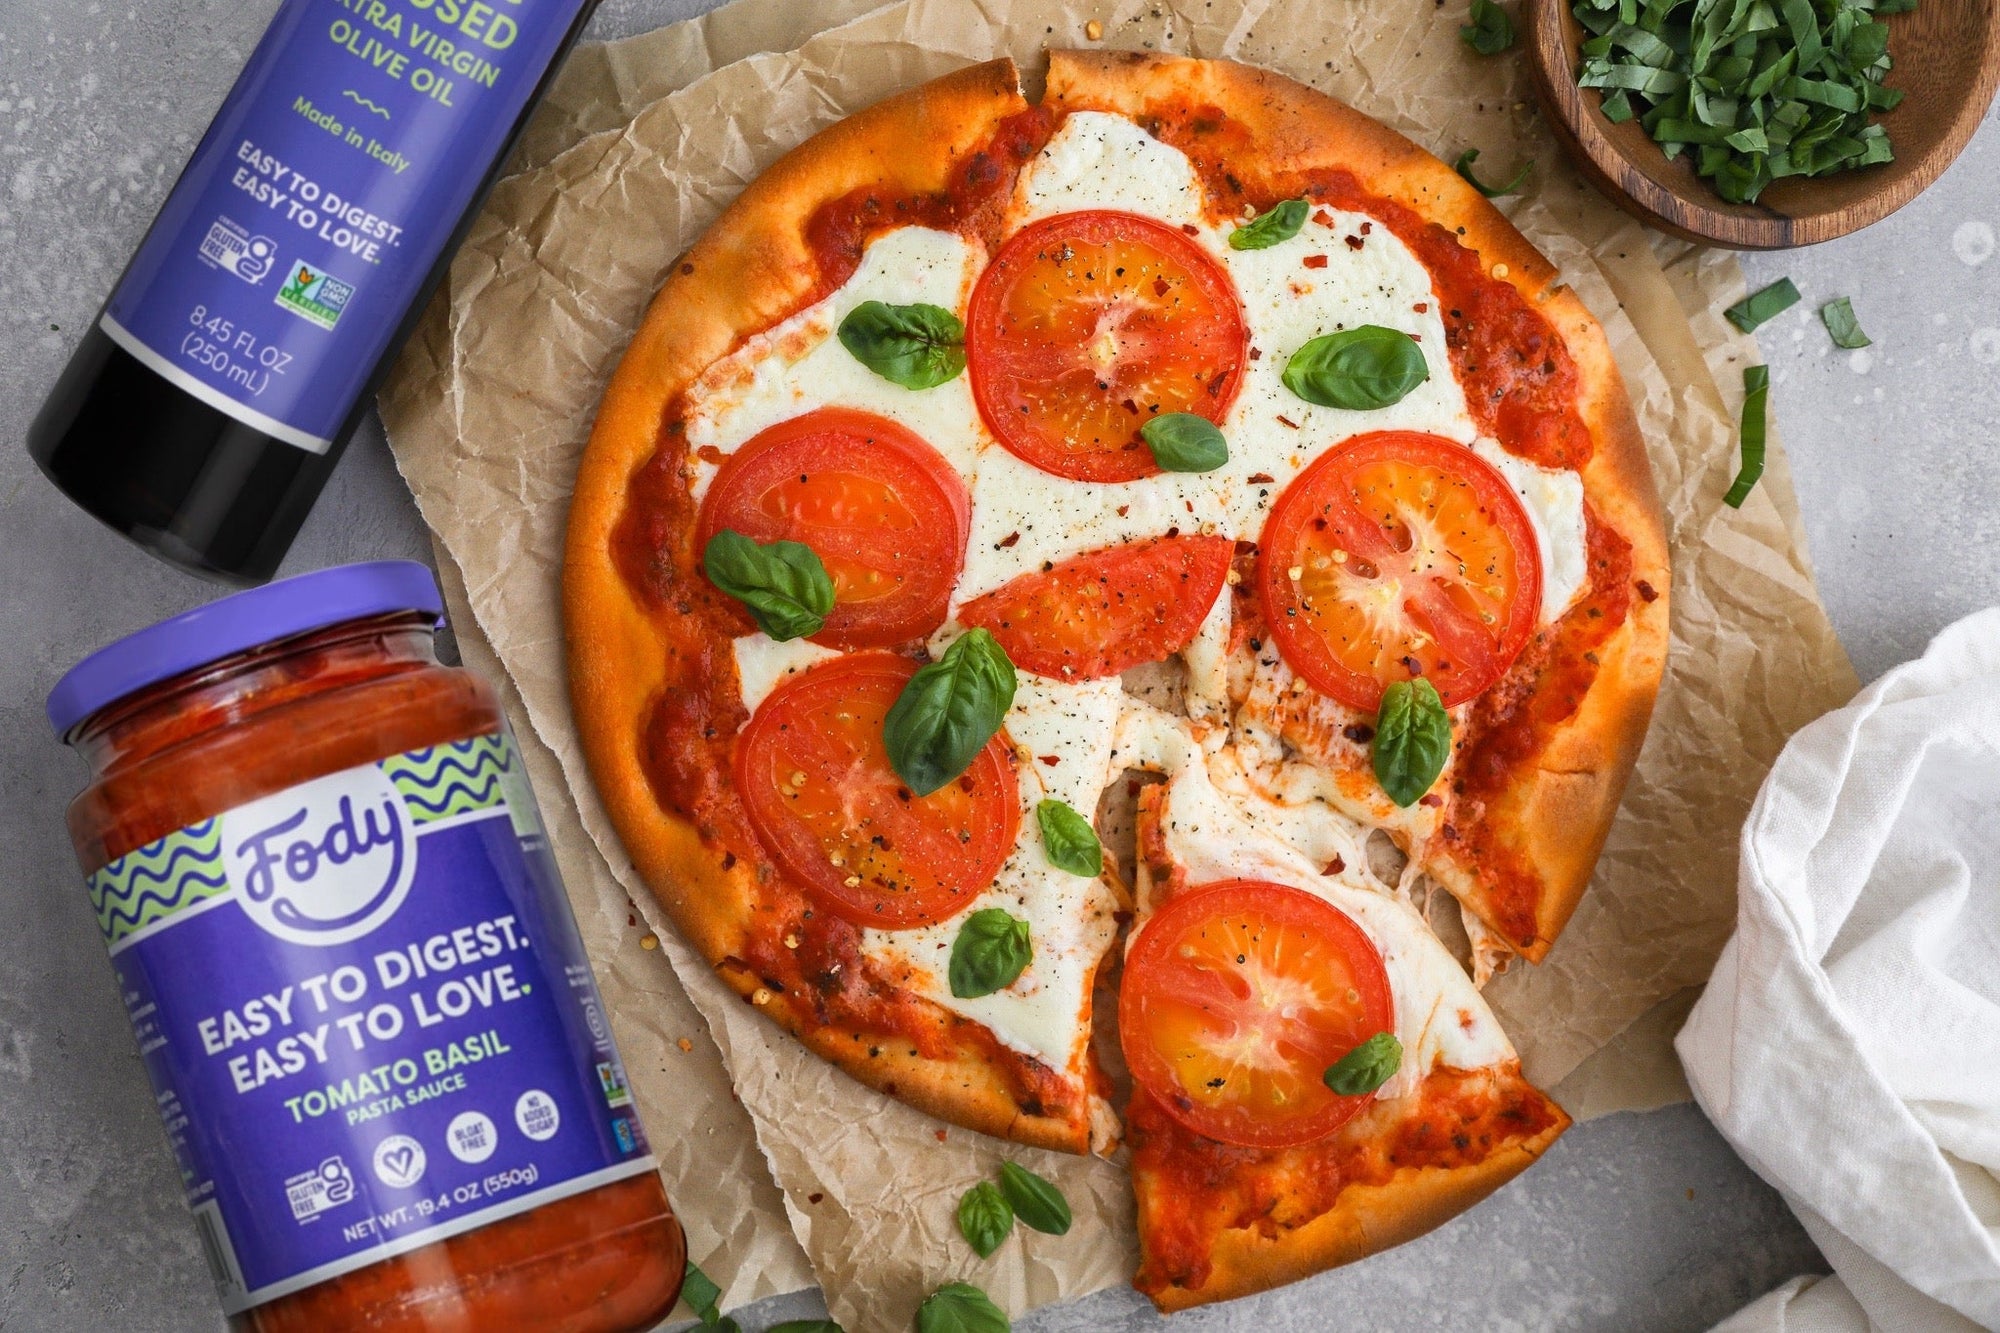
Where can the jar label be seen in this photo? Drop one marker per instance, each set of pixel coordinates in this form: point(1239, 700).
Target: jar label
point(329, 185)
point(367, 1015)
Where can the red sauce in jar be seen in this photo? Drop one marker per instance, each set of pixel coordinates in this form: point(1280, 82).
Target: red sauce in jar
point(182, 749)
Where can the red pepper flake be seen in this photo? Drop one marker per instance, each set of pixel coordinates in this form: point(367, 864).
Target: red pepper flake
point(1433, 800)
point(1260, 479)
point(1315, 261)
point(1413, 666)
point(1367, 227)
point(708, 453)
point(1648, 592)
point(1256, 354)
point(1354, 242)
point(687, 269)
point(1124, 510)
point(1284, 420)
point(1190, 229)
point(814, 1197)
point(1324, 218)
point(940, 1135)
point(1174, 531)
point(1358, 732)
point(1450, 833)
point(1160, 287)
point(1050, 759)
point(1007, 541)
point(1422, 307)
point(1243, 547)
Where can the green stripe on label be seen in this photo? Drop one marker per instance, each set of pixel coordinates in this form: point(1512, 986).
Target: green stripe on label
point(144, 887)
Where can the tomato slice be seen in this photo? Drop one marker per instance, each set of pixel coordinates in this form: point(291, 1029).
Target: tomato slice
point(1087, 325)
point(1237, 998)
point(1399, 554)
point(1099, 614)
point(885, 513)
point(815, 778)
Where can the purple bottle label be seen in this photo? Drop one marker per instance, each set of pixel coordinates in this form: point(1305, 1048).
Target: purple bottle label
point(368, 1017)
point(327, 188)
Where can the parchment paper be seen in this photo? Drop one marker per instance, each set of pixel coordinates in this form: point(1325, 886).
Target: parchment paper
point(643, 144)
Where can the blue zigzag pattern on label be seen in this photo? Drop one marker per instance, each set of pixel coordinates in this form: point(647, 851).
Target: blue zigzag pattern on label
point(146, 886)
point(452, 779)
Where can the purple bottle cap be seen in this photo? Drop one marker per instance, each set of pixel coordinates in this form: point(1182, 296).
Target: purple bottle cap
point(236, 624)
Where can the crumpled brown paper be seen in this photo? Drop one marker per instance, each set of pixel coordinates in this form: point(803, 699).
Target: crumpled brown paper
point(641, 147)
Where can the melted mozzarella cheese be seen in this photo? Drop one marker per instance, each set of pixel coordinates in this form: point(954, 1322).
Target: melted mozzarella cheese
point(1098, 160)
point(1070, 918)
point(763, 664)
point(1213, 835)
point(1554, 502)
point(799, 366)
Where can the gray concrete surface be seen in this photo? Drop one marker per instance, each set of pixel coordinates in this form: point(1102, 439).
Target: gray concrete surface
point(1634, 1223)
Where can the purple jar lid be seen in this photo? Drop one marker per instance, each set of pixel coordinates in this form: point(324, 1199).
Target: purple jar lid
point(236, 624)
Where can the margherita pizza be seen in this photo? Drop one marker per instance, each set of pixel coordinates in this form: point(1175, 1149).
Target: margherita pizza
point(971, 422)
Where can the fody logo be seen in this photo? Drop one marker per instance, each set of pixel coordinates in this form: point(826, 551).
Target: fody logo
point(325, 862)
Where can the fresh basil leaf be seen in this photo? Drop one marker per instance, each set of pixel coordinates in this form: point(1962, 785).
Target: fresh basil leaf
point(1756, 390)
point(1760, 306)
point(1280, 223)
point(960, 1307)
point(1359, 369)
point(806, 1326)
point(917, 346)
point(991, 950)
point(948, 711)
point(1366, 1067)
point(1464, 168)
point(1838, 316)
point(1185, 442)
point(1037, 1202)
point(1490, 31)
point(1069, 840)
point(783, 584)
point(984, 1218)
point(701, 1294)
point(1412, 739)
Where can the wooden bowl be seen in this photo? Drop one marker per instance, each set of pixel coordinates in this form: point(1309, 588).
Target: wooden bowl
point(1946, 59)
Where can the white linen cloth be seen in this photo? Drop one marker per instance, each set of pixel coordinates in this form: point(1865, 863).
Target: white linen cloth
point(1848, 1044)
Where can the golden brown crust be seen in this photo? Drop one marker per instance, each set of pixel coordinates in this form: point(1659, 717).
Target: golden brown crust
point(1365, 1219)
point(753, 267)
point(1558, 811)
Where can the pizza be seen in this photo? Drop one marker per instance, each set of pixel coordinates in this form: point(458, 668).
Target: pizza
point(1169, 550)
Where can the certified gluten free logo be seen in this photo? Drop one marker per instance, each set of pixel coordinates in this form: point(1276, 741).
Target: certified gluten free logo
point(315, 295)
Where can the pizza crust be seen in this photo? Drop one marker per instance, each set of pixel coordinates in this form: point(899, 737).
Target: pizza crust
point(1560, 811)
point(1365, 1219)
point(751, 269)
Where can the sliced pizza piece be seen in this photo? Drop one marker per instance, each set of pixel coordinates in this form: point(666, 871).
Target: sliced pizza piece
point(1315, 1078)
point(1541, 753)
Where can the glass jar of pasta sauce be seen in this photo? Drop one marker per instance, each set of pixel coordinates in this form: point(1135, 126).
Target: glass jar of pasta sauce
point(346, 953)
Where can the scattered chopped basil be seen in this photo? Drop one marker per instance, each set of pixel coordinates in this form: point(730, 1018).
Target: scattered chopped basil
point(917, 346)
point(984, 1218)
point(1838, 316)
point(1464, 168)
point(1760, 306)
point(1069, 840)
point(1756, 390)
point(1753, 91)
point(1412, 739)
point(1037, 1202)
point(948, 711)
point(960, 1307)
point(701, 1294)
point(1490, 31)
point(991, 950)
point(1281, 223)
point(1185, 442)
point(783, 584)
point(1366, 1067)
point(1359, 369)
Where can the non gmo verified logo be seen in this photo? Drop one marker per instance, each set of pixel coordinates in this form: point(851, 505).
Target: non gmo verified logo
point(315, 295)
